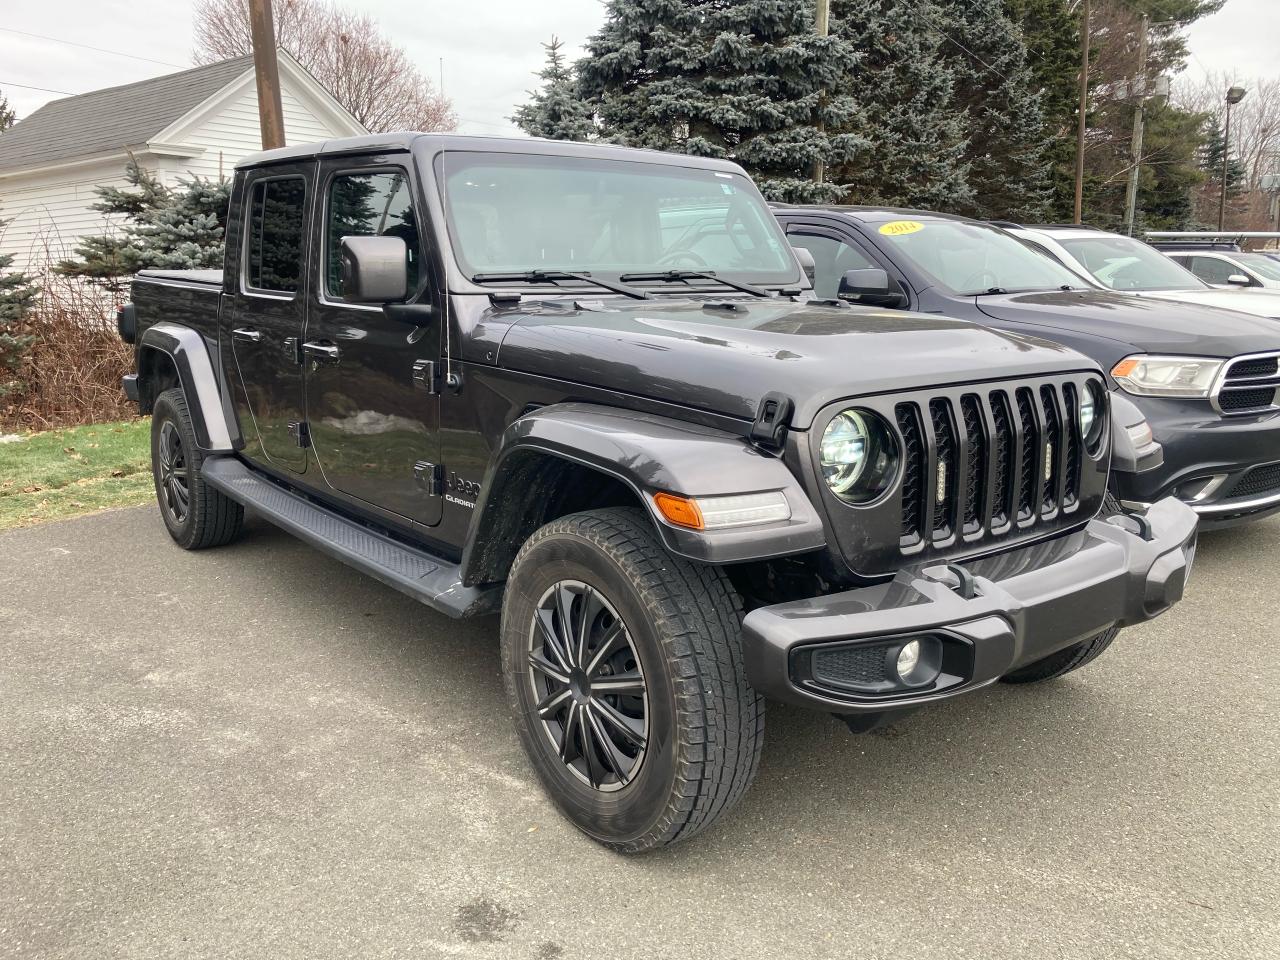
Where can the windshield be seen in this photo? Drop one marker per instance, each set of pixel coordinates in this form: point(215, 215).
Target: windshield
point(511, 213)
point(1124, 264)
point(1260, 264)
point(971, 258)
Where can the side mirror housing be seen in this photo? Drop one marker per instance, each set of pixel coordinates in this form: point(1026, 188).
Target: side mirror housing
point(872, 287)
point(1238, 280)
point(805, 257)
point(374, 269)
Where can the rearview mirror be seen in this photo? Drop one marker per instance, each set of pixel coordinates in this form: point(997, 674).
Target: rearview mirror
point(805, 256)
point(1238, 280)
point(374, 269)
point(872, 287)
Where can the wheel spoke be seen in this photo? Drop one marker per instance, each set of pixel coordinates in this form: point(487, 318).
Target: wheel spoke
point(631, 728)
point(614, 757)
point(615, 637)
point(552, 643)
point(564, 604)
point(591, 607)
point(570, 725)
point(591, 747)
point(184, 496)
point(539, 662)
point(628, 682)
point(550, 705)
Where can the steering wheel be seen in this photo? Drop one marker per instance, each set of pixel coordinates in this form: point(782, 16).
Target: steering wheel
point(981, 278)
point(689, 258)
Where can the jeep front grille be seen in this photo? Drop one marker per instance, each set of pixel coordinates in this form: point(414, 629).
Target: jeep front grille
point(1249, 385)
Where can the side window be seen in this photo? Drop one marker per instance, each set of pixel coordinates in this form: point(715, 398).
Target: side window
point(273, 249)
point(1212, 269)
point(832, 259)
point(368, 204)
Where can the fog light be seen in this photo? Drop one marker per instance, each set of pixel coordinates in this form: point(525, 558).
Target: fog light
point(908, 658)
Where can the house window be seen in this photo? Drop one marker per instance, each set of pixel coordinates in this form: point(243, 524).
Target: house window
point(277, 218)
point(369, 205)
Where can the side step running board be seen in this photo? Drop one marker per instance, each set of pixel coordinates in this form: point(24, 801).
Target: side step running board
point(429, 579)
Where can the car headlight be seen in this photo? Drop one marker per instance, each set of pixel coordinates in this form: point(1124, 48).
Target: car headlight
point(1147, 376)
point(1091, 415)
point(858, 456)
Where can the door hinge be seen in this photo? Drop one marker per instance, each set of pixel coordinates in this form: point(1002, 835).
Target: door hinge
point(300, 432)
point(426, 376)
point(430, 477)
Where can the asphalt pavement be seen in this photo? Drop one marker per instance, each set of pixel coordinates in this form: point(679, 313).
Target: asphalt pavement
point(256, 752)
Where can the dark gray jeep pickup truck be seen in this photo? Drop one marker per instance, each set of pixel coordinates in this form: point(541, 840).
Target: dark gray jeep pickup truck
point(589, 388)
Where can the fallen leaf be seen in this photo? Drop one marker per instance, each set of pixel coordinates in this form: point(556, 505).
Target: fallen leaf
point(68, 449)
point(117, 473)
point(32, 489)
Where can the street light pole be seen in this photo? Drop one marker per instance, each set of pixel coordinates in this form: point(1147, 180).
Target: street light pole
point(1084, 109)
point(1234, 96)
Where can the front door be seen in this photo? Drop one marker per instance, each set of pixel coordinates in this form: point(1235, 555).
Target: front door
point(373, 411)
point(266, 312)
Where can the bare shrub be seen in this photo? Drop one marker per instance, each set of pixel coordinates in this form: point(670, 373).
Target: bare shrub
point(71, 373)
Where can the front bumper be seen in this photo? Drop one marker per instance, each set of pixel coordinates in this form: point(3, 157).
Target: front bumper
point(1227, 469)
point(991, 616)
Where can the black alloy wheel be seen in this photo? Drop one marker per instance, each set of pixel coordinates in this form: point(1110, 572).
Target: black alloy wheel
point(171, 480)
point(588, 685)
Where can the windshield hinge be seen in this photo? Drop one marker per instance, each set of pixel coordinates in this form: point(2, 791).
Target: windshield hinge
point(769, 429)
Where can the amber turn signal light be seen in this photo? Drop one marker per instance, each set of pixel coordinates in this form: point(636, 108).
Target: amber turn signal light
point(682, 511)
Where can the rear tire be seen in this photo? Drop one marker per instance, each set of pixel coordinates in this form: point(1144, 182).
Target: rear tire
point(196, 515)
point(648, 731)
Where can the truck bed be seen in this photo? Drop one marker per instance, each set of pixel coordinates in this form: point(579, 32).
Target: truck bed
point(188, 297)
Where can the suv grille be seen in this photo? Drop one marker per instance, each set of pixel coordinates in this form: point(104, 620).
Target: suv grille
point(1259, 480)
point(968, 488)
point(1250, 385)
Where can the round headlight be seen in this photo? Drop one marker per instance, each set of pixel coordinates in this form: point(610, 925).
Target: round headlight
point(858, 457)
point(1091, 408)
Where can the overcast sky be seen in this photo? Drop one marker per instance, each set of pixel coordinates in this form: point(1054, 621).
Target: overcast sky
point(490, 50)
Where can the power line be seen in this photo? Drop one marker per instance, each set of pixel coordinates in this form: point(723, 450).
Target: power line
point(27, 86)
point(85, 46)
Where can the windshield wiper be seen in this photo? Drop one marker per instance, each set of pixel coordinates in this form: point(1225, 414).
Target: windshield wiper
point(551, 276)
point(990, 291)
point(678, 275)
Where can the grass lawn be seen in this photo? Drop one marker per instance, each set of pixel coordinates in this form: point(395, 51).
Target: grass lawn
point(64, 473)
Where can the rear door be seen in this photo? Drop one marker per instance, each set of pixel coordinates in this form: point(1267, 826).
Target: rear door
point(266, 311)
point(372, 404)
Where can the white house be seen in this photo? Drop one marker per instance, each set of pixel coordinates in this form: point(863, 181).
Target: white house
point(200, 122)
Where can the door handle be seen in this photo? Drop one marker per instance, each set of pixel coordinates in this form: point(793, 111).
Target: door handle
point(247, 333)
point(321, 351)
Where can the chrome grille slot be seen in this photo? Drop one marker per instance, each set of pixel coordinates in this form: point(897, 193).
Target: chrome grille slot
point(1249, 385)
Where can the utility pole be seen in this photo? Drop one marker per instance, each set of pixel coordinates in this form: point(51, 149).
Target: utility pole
point(1139, 93)
point(267, 71)
point(821, 22)
point(1084, 109)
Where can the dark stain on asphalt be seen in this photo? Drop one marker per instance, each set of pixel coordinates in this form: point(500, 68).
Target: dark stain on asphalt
point(549, 951)
point(483, 921)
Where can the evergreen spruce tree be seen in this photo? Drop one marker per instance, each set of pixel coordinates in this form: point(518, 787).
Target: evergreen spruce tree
point(741, 79)
point(916, 139)
point(994, 88)
point(17, 295)
point(1210, 157)
point(178, 229)
point(556, 111)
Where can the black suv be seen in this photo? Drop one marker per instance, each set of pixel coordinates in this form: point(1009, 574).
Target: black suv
point(1206, 380)
point(587, 387)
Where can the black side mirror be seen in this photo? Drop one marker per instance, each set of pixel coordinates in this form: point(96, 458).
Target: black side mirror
point(871, 287)
point(805, 257)
point(374, 269)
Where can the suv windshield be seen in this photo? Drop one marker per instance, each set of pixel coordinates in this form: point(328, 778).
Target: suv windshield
point(514, 213)
point(971, 258)
point(1124, 264)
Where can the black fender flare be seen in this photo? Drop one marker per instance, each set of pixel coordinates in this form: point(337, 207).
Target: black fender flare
point(215, 426)
point(1126, 456)
point(648, 454)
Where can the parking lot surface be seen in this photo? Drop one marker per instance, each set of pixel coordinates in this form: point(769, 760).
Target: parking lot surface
point(255, 752)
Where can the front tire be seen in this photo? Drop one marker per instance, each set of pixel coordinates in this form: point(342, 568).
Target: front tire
point(1064, 661)
point(196, 515)
point(624, 673)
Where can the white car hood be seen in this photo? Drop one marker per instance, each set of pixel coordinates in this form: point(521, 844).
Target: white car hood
point(1260, 303)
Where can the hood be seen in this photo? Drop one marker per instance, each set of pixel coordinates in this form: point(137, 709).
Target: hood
point(1256, 303)
point(1148, 325)
point(694, 354)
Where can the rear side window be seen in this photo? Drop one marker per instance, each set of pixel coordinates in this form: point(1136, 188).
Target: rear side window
point(277, 218)
point(364, 205)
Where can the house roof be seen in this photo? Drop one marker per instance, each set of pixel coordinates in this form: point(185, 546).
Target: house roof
point(112, 119)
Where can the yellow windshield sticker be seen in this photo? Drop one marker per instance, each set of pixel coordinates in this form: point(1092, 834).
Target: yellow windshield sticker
point(900, 228)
